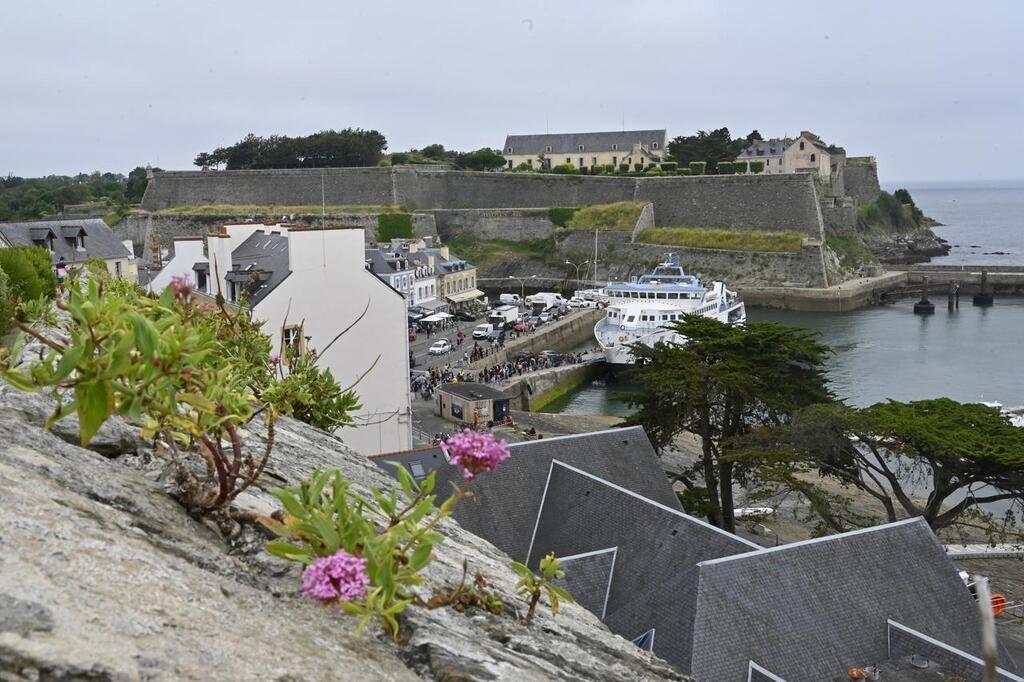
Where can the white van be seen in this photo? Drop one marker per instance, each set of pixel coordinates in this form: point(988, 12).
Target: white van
point(482, 331)
point(509, 299)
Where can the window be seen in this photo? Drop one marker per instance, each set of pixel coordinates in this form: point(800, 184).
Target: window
point(418, 472)
point(593, 161)
point(812, 158)
point(568, 160)
point(661, 294)
point(615, 160)
point(630, 318)
point(509, 150)
point(615, 147)
point(801, 146)
point(655, 145)
point(548, 148)
point(510, 163)
point(581, 148)
point(117, 268)
point(581, 162)
point(292, 337)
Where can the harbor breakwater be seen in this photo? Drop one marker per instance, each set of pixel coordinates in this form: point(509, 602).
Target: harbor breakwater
point(537, 390)
point(562, 335)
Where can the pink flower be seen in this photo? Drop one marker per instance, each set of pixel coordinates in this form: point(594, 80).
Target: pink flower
point(275, 359)
point(475, 452)
point(341, 577)
point(182, 286)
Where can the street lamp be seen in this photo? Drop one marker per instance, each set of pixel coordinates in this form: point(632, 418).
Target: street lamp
point(577, 266)
point(522, 286)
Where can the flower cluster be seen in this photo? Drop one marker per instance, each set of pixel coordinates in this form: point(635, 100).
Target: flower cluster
point(474, 452)
point(340, 577)
point(182, 287)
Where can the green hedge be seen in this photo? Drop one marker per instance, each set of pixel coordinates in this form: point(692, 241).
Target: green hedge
point(683, 171)
point(30, 272)
point(739, 166)
point(623, 167)
point(561, 215)
point(725, 168)
point(669, 166)
point(698, 167)
point(7, 304)
point(757, 166)
point(394, 226)
point(638, 167)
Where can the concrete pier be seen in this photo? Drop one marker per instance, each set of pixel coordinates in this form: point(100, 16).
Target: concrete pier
point(562, 335)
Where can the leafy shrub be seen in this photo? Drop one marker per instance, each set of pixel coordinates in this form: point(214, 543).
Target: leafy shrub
point(189, 377)
point(638, 167)
point(739, 166)
point(756, 166)
point(725, 168)
point(730, 240)
point(384, 540)
point(30, 272)
point(654, 171)
point(523, 168)
point(584, 171)
point(623, 167)
point(534, 585)
point(37, 310)
point(561, 215)
point(698, 167)
point(7, 304)
point(565, 169)
point(394, 226)
point(669, 166)
point(682, 171)
point(609, 168)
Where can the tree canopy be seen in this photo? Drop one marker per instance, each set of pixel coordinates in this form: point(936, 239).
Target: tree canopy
point(938, 459)
point(725, 381)
point(480, 160)
point(325, 149)
point(35, 198)
point(711, 146)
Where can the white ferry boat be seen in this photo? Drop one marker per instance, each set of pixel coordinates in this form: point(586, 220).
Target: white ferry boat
point(642, 311)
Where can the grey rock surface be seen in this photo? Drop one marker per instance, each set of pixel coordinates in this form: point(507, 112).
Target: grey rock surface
point(104, 576)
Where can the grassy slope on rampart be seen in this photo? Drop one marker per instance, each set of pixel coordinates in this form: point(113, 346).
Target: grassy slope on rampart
point(728, 240)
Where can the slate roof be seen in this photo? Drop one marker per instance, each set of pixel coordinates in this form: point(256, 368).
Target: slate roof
point(100, 240)
point(658, 547)
point(474, 391)
point(266, 256)
point(763, 148)
point(588, 578)
point(811, 610)
point(569, 143)
point(507, 501)
point(380, 264)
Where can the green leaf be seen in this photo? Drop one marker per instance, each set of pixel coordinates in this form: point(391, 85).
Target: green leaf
point(420, 556)
point(68, 362)
point(521, 569)
point(146, 335)
point(405, 479)
point(288, 551)
point(95, 403)
point(291, 504)
point(562, 594)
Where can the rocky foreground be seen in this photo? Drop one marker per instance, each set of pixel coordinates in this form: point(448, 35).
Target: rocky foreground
point(103, 576)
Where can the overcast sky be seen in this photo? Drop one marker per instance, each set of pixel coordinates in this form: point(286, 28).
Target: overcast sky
point(933, 89)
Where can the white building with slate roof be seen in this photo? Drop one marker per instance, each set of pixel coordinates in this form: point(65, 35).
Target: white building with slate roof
point(308, 285)
point(804, 154)
point(586, 150)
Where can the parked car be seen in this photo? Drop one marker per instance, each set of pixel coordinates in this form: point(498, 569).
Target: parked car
point(440, 347)
point(509, 299)
point(466, 316)
point(545, 316)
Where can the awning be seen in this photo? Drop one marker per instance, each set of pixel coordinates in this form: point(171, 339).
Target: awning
point(464, 296)
point(436, 317)
point(434, 304)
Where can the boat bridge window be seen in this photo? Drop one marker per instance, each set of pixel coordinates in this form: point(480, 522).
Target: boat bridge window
point(661, 294)
point(630, 318)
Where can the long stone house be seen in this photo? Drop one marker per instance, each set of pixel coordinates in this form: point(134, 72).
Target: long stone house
point(72, 242)
point(586, 150)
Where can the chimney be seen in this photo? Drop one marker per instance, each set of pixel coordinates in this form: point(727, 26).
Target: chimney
point(430, 261)
point(444, 252)
point(413, 247)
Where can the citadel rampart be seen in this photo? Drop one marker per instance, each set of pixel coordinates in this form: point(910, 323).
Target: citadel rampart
point(763, 202)
point(861, 179)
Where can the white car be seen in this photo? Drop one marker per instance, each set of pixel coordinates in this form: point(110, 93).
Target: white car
point(545, 317)
point(440, 347)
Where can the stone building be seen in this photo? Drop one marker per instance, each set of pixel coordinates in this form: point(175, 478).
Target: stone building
point(307, 286)
point(806, 153)
point(586, 150)
point(395, 269)
point(472, 403)
point(72, 242)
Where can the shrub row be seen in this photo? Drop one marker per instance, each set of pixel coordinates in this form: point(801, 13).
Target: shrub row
point(30, 272)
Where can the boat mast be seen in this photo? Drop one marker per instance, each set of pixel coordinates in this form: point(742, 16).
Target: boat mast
point(595, 258)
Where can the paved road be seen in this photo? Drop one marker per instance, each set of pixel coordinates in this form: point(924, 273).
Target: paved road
point(422, 343)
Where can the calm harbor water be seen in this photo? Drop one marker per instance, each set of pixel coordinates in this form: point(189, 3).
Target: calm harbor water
point(887, 352)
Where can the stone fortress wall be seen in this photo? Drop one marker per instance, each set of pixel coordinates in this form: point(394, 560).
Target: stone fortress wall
point(762, 202)
point(860, 178)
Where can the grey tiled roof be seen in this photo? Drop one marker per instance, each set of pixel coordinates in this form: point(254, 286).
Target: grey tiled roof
point(474, 391)
point(266, 254)
point(100, 240)
point(588, 578)
point(507, 501)
point(654, 584)
point(569, 143)
point(380, 264)
point(762, 148)
point(811, 610)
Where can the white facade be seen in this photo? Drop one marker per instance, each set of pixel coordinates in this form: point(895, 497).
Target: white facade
point(327, 289)
point(187, 252)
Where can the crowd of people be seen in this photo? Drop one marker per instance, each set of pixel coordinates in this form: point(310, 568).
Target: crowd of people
point(526, 363)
